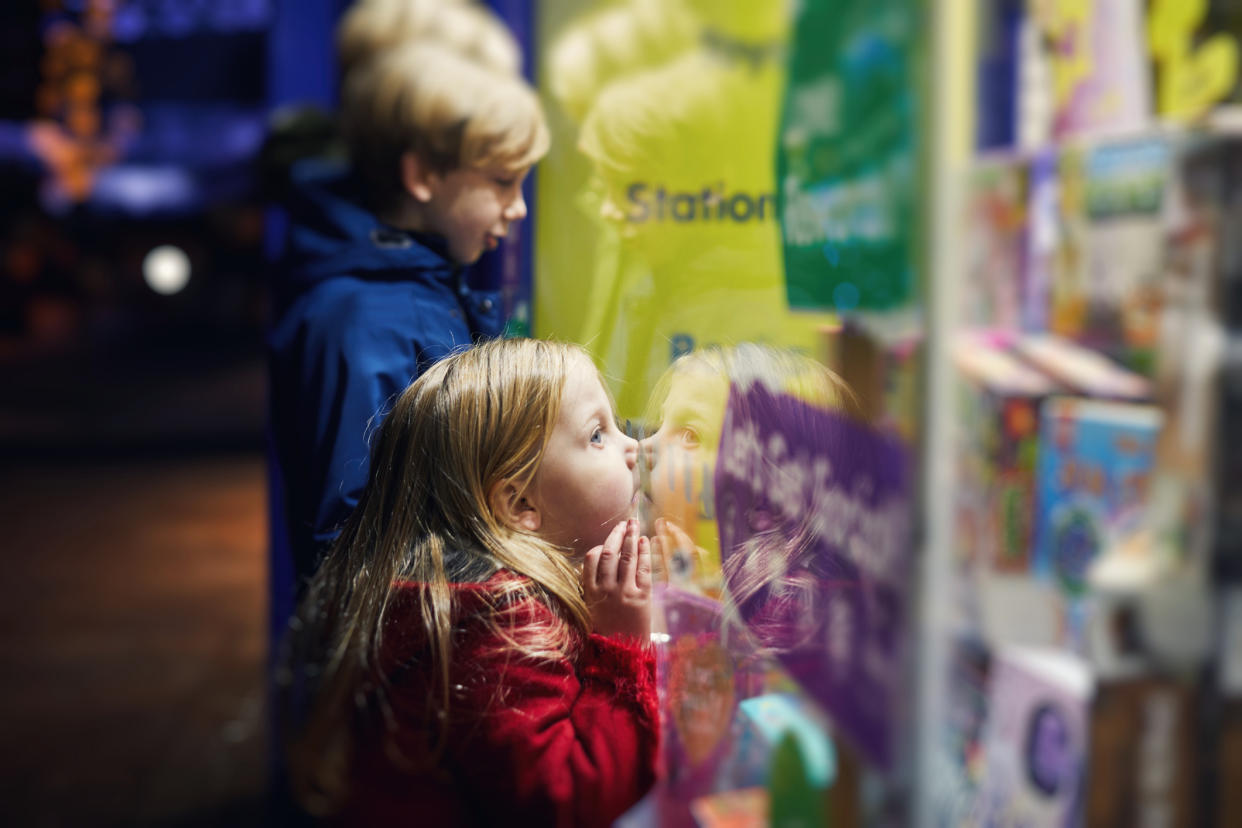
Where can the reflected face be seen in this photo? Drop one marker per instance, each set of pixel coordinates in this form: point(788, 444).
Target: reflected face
point(681, 455)
point(474, 209)
point(613, 207)
point(587, 481)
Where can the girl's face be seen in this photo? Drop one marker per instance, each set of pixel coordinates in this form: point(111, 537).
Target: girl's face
point(681, 455)
point(587, 480)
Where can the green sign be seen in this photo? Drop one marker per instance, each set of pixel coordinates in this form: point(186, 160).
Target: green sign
point(847, 158)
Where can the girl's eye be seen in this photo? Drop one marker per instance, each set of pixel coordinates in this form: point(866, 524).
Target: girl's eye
point(597, 436)
point(689, 437)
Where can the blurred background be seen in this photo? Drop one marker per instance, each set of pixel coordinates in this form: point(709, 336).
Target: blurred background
point(133, 485)
point(1012, 226)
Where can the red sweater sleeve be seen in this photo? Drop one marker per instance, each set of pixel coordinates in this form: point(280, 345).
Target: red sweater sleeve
point(566, 742)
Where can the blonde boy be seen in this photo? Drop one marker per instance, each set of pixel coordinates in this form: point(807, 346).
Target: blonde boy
point(442, 144)
point(372, 290)
point(371, 27)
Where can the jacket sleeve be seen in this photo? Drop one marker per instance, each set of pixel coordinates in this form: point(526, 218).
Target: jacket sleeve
point(357, 362)
point(555, 742)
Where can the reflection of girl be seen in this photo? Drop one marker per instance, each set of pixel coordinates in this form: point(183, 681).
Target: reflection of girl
point(769, 581)
point(481, 620)
point(774, 577)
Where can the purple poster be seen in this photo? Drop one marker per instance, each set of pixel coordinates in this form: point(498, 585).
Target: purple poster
point(813, 514)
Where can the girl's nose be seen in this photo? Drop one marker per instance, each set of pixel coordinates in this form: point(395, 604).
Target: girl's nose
point(633, 451)
point(647, 452)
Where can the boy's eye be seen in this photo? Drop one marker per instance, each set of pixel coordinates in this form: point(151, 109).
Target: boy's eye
point(688, 436)
point(506, 183)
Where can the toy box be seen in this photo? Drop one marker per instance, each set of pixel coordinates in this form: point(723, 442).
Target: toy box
point(1095, 465)
point(997, 442)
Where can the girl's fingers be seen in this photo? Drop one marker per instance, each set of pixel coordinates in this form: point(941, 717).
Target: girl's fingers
point(680, 538)
point(629, 555)
point(659, 559)
point(589, 567)
point(642, 571)
point(682, 542)
point(606, 572)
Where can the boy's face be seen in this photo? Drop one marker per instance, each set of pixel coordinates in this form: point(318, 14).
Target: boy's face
point(474, 208)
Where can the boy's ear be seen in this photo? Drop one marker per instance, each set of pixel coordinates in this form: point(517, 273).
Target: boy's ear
point(513, 508)
point(416, 177)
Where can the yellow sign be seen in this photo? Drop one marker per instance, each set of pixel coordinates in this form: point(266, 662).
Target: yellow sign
point(657, 230)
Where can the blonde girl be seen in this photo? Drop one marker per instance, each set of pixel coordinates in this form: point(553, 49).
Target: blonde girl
point(476, 644)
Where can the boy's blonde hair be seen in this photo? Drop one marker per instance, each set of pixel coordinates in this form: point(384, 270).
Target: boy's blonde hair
point(475, 420)
point(451, 112)
point(371, 27)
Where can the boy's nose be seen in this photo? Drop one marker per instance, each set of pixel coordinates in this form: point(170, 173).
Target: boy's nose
point(516, 211)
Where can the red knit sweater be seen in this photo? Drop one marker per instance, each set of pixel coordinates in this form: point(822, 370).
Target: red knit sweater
point(570, 742)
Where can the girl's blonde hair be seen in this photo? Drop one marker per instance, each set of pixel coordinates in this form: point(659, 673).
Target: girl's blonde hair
point(476, 420)
point(780, 370)
point(452, 112)
point(370, 27)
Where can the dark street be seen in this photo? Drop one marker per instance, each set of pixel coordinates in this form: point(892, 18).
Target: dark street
point(133, 642)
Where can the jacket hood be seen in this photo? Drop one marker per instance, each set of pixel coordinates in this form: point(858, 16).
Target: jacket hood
point(332, 233)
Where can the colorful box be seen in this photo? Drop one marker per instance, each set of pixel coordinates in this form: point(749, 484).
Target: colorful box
point(1036, 742)
point(1095, 466)
point(997, 447)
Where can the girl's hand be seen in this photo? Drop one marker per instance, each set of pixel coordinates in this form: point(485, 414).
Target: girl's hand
point(676, 557)
point(616, 580)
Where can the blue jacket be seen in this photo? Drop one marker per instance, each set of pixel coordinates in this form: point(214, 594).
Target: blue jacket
point(361, 310)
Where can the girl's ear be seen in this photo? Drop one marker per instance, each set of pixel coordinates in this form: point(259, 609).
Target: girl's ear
point(416, 177)
point(514, 508)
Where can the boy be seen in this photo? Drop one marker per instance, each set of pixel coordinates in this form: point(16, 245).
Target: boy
point(372, 289)
point(370, 27)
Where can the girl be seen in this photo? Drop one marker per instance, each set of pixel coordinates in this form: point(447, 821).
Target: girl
point(483, 621)
point(690, 402)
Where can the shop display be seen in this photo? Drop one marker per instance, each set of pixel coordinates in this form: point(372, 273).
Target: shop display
point(1079, 369)
point(1195, 49)
point(1036, 739)
point(1095, 463)
point(728, 175)
point(1099, 72)
point(1116, 283)
point(961, 761)
point(998, 438)
point(994, 285)
point(1068, 293)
